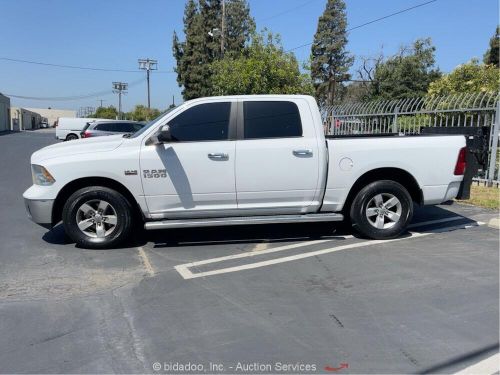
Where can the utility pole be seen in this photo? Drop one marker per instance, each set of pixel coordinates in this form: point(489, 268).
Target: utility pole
point(120, 88)
point(148, 65)
point(223, 29)
point(101, 100)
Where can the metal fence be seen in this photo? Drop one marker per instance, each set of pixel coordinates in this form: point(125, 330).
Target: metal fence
point(409, 116)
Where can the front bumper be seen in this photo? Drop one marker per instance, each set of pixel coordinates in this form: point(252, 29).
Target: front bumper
point(40, 211)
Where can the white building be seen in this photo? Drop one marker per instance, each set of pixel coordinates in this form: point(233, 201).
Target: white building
point(53, 114)
point(23, 119)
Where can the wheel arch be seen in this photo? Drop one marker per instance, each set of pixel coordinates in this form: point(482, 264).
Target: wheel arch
point(393, 174)
point(79, 183)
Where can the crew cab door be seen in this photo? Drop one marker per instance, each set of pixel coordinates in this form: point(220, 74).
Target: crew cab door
point(194, 174)
point(277, 159)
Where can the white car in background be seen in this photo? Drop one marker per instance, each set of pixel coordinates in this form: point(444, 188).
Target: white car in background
point(69, 128)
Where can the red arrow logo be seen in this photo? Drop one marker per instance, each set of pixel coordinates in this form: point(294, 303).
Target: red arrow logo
point(333, 369)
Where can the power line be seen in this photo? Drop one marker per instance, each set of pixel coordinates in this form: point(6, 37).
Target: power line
point(170, 72)
point(288, 11)
point(77, 67)
point(70, 98)
point(373, 21)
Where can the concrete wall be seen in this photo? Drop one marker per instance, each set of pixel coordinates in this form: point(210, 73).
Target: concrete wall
point(4, 113)
point(53, 114)
point(23, 119)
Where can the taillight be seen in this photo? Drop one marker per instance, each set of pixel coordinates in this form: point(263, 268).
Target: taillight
point(86, 134)
point(461, 163)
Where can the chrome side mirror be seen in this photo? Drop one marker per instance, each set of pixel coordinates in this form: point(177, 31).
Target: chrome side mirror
point(164, 135)
point(161, 136)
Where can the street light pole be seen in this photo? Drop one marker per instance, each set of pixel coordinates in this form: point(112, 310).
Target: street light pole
point(148, 65)
point(120, 88)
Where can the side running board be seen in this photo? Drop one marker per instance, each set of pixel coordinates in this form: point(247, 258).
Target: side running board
point(240, 220)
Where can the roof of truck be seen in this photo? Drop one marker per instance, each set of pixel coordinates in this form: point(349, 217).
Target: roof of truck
point(253, 97)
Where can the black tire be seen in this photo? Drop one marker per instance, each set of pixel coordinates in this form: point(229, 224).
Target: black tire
point(118, 207)
point(383, 224)
point(71, 137)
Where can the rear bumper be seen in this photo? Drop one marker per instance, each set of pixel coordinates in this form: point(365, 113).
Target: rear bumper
point(40, 211)
point(436, 194)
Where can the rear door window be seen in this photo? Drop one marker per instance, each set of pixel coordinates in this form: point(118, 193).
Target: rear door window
point(271, 119)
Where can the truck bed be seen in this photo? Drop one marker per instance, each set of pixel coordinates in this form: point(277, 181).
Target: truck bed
point(430, 160)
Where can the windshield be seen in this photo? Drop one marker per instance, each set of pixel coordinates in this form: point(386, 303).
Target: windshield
point(148, 125)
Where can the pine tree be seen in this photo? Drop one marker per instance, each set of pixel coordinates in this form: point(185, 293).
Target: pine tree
point(189, 54)
point(492, 54)
point(239, 26)
point(200, 49)
point(330, 61)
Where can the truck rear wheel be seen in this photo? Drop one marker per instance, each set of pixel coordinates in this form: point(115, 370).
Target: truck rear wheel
point(97, 217)
point(382, 210)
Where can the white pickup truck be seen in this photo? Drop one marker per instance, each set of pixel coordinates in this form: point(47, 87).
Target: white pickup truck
point(239, 160)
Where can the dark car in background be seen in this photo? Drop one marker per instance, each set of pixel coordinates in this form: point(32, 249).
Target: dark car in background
point(100, 128)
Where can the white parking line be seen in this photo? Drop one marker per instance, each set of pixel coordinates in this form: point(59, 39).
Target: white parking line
point(487, 366)
point(184, 269)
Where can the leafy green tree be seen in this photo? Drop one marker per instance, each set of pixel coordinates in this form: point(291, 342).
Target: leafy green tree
point(330, 61)
point(468, 78)
point(406, 74)
point(195, 54)
point(141, 113)
point(263, 68)
point(492, 54)
point(105, 112)
point(357, 92)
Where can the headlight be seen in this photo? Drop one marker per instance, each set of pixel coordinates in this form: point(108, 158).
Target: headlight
point(41, 176)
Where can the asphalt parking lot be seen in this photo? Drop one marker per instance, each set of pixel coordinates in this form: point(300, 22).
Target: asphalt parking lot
point(230, 299)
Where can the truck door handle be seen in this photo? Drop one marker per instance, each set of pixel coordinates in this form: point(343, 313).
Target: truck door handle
point(218, 156)
point(302, 153)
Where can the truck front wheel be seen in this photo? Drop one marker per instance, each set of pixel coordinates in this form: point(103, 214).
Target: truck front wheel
point(97, 217)
point(382, 210)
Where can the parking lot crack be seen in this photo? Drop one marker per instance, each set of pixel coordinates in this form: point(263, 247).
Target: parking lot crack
point(337, 320)
point(123, 335)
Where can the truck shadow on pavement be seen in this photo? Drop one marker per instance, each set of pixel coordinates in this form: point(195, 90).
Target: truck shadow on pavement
point(471, 356)
point(270, 233)
point(254, 234)
point(223, 235)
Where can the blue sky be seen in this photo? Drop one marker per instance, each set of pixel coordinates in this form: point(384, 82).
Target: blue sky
point(115, 33)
